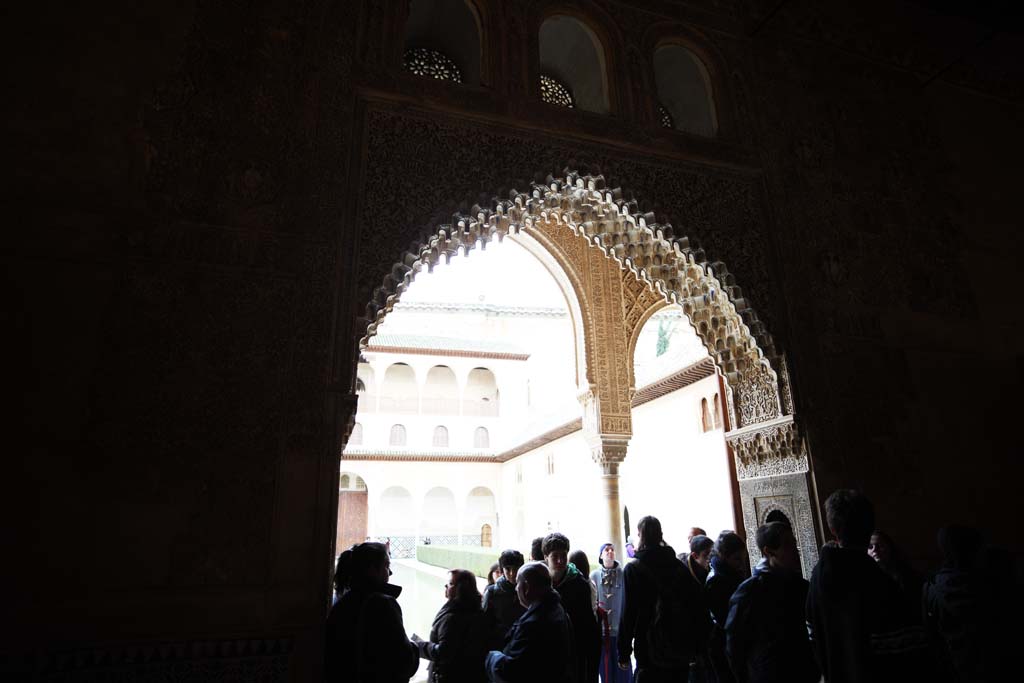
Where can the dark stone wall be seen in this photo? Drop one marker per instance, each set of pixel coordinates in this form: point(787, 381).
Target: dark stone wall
point(204, 196)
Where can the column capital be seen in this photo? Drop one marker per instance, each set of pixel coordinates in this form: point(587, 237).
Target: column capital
point(608, 450)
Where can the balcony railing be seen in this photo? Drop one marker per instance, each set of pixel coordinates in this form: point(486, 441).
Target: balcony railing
point(399, 405)
point(480, 408)
point(440, 406)
point(427, 406)
point(367, 403)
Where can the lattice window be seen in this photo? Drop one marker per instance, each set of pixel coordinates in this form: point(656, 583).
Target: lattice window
point(440, 437)
point(423, 61)
point(664, 117)
point(481, 438)
point(555, 92)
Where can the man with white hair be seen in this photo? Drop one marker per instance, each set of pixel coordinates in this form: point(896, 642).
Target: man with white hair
point(539, 647)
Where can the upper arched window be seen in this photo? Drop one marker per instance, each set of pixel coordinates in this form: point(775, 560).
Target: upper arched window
point(442, 40)
point(356, 438)
point(397, 435)
point(716, 412)
point(684, 91)
point(398, 391)
point(440, 436)
point(572, 65)
point(481, 438)
point(440, 392)
point(481, 395)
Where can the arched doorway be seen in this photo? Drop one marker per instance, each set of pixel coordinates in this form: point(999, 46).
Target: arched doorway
point(622, 267)
point(353, 506)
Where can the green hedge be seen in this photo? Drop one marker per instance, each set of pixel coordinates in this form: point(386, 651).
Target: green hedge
point(475, 559)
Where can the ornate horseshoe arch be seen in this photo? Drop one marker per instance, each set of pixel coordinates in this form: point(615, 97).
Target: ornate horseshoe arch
point(623, 266)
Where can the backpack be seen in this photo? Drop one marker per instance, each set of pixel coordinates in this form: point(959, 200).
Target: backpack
point(674, 630)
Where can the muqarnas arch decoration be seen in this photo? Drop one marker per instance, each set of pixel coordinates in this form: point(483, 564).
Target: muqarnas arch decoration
point(624, 265)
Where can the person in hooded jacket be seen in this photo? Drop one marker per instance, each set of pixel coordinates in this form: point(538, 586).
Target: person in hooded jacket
point(859, 625)
point(609, 583)
point(728, 570)
point(961, 610)
point(657, 572)
point(500, 601)
point(365, 636)
point(460, 636)
point(765, 631)
point(574, 589)
point(539, 647)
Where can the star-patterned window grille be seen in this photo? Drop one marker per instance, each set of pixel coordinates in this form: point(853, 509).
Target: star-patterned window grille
point(423, 61)
point(554, 92)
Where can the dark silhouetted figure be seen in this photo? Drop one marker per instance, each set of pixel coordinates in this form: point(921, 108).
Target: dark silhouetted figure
point(500, 601)
point(698, 560)
point(539, 647)
point(962, 606)
point(766, 630)
point(365, 636)
point(665, 617)
point(536, 549)
point(577, 599)
point(460, 636)
point(859, 627)
point(728, 569)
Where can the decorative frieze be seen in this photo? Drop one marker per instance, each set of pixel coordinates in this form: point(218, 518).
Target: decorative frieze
point(770, 450)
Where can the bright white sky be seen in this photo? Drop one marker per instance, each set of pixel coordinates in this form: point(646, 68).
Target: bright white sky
point(504, 274)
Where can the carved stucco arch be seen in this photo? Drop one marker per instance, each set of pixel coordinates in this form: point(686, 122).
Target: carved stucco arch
point(649, 251)
point(623, 266)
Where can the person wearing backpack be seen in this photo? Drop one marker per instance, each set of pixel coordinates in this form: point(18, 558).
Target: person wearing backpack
point(665, 618)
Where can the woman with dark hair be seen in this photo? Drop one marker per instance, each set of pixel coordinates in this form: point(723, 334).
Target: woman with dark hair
point(460, 636)
point(579, 559)
point(365, 635)
point(493, 574)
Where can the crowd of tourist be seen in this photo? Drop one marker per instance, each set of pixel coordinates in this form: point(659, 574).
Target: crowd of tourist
point(698, 617)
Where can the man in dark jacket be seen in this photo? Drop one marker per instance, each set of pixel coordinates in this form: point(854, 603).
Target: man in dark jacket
point(658, 573)
point(539, 647)
point(575, 592)
point(729, 566)
point(858, 624)
point(366, 638)
point(766, 631)
point(500, 601)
